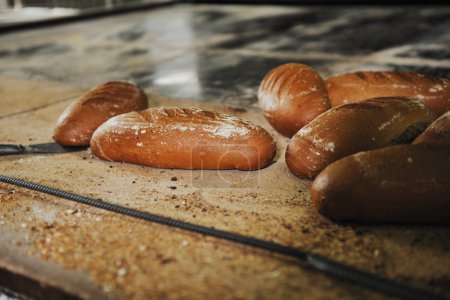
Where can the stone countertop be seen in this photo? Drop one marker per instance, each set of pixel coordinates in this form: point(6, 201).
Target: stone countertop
point(221, 52)
point(213, 57)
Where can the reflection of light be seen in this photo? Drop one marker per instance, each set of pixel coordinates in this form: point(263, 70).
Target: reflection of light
point(34, 14)
point(177, 78)
point(181, 72)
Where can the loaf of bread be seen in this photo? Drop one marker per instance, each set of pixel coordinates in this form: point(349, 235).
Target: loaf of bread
point(437, 133)
point(78, 122)
point(183, 138)
point(354, 87)
point(355, 127)
point(292, 95)
point(397, 184)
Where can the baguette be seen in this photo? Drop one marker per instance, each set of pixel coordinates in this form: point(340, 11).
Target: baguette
point(183, 138)
point(292, 95)
point(437, 133)
point(79, 120)
point(397, 184)
point(353, 87)
point(355, 127)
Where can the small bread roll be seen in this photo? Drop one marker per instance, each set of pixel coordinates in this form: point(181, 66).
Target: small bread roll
point(183, 138)
point(437, 133)
point(292, 95)
point(398, 184)
point(79, 120)
point(355, 127)
point(353, 87)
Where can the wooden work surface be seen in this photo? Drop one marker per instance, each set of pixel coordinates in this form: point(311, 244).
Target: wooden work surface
point(50, 247)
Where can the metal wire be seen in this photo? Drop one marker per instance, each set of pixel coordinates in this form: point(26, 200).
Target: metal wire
point(318, 262)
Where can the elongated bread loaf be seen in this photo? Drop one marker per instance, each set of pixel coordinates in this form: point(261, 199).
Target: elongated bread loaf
point(355, 127)
point(397, 184)
point(184, 138)
point(78, 122)
point(292, 95)
point(437, 133)
point(353, 87)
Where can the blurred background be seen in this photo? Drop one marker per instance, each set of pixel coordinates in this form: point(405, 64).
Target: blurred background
point(16, 12)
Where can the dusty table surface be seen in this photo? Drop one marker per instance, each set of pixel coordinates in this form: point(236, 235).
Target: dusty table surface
point(210, 57)
point(82, 251)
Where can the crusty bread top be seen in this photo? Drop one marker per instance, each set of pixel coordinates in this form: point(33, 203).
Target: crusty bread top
point(184, 138)
point(79, 120)
point(292, 95)
point(349, 118)
point(178, 120)
point(354, 127)
point(288, 81)
point(351, 87)
point(390, 79)
point(437, 133)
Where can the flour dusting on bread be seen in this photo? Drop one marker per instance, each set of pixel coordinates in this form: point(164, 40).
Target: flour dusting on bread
point(187, 138)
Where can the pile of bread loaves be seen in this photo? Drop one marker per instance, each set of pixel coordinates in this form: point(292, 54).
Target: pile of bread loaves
point(376, 144)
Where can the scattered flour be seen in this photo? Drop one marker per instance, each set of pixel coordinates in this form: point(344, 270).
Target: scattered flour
point(193, 121)
point(226, 130)
point(305, 132)
point(436, 88)
point(387, 123)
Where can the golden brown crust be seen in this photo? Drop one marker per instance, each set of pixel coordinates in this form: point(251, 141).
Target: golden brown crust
point(79, 120)
point(437, 133)
point(398, 184)
point(353, 87)
point(184, 138)
point(292, 95)
point(354, 127)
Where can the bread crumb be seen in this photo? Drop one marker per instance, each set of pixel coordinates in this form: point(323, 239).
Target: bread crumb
point(121, 272)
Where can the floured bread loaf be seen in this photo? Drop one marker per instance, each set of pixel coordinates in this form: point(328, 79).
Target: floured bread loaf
point(80, 119)
point(292, 95)
point(437, 133)
point(353, 87)
point(355, 127)
point(184, 138)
